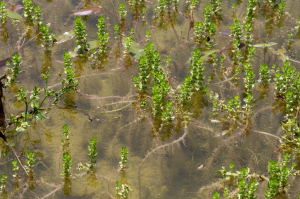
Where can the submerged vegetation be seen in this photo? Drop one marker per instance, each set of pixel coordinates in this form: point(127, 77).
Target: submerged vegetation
point(171, 85)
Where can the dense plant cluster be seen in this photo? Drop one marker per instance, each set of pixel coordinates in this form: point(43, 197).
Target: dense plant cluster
point(206, 92)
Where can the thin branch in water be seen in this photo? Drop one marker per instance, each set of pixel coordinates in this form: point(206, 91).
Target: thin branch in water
point(151, 152)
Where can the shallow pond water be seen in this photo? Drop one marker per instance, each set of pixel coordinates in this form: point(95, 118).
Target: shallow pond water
point(163, 162)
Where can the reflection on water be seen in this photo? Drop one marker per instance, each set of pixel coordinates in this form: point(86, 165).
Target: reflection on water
point(163, 160)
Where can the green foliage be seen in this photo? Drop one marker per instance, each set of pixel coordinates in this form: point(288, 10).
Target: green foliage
point(144, 74)
point(3, 13)
point(206, 30)
point(30, 160)
point(122, 12)
point(117, 31)
point(216, 195)
point(286, 80)
point(48, 39)
point(15, 166)
point(196, 70)
point(69, 82)
point(249, 79)
point(149, 64)
point(167, 115)
point(138, 8)
point(16, 61)
point(264, 74)
point(80, 34)
point(3, 16)
point(28, 11)
point(117, 188)
point(281, 8)
point(37, 15)
point(32, 101)
point(66, 165)
point(93, 153)
point(279, 175)
point(128, 42)
point(160, 91)
point(102, 35)
point(124, 191)
point(162, 98)
point(148, 35)
point(65, 142)
point(186, 90)
point(233, 107)
point(3, 181)
point(245, 184)
point(216, 7)
point(236, 34)
point(194, 4)
point(124, 158)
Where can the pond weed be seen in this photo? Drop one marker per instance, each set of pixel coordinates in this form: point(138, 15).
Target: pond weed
point(219, 81)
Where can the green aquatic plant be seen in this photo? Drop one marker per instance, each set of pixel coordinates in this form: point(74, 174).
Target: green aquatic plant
point(30, 160)
point(149, 65)
point(4, 193)
point(249, 79)
point(93, 154)
point(160, 19)
point(236, 34)
point(102, 35)
point(28, 11)
point(16, 176)
point(122, 12)
point(197, 71)
point(3, 21)
point(69, 82)
point(16, 61)
point(30, 164)
point(3, 181)
point(23, 97)
point(80, 34)
point(67, 165)
point(124, 159)
point(37, 15)
point(47, 38)
point(123, 190)
point(167, 95)
point(186, 90)
point(128, 42)
point(117, 31)
point(290, 41)
point(122, 18)
point(278, 180)
point(298, 28)
point(3, 13)
point(15, 167)
point(138, 7)
point(285, 80)
point(144, 74)
point(281, 8)
point(216, 9)
point(206, 30)
point(243, 184)
point(264, 74)
point(65, 142)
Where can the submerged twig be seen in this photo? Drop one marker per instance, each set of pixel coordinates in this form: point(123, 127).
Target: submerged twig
point(157, 148)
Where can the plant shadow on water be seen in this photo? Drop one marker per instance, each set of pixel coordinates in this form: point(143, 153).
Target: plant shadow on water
point(149, 99)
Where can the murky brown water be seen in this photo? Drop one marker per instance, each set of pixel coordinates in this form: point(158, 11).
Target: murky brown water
point(153, 171)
